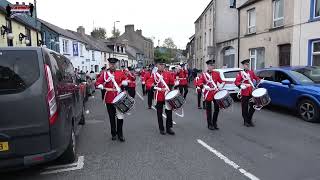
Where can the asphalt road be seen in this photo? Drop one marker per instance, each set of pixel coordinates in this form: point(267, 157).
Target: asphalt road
point(280, 147)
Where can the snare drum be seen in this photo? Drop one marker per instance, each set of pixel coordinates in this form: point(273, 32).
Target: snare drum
point(223, 99)
point(175, 99)
point(261, 97)
point(123, 102)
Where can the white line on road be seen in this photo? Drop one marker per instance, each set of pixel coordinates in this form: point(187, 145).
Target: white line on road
point(228, 161)
point(65, 168)
point(140, 96)
point(87, 111)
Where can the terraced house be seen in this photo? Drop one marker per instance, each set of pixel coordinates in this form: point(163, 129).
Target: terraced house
point(20, 31)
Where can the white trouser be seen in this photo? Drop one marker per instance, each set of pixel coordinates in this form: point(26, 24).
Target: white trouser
point(119, 115)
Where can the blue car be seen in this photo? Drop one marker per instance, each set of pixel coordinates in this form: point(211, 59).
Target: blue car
point(296, 88)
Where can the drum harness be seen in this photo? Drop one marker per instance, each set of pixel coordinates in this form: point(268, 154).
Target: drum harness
point(246, 77)
point(110, 78)
point(209, 80)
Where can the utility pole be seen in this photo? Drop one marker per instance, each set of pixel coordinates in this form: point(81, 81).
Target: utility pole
point(114, 27)
point(36, 19)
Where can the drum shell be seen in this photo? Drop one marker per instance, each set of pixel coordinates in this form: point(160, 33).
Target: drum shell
point(125, 104)
point(225, 102)
point(176, 102)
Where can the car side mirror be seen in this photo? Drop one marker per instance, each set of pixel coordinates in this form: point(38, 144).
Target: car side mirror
point(286, 82)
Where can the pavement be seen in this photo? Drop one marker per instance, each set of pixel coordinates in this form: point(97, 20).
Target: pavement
point(280, 147)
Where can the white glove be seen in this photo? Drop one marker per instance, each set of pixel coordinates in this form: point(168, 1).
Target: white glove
point(262, 81)
point(111, 76)
point(243, 87)
point(100, 86)
point(176, 83)
point(143, 82)
point(125, 83)
point(157, 88)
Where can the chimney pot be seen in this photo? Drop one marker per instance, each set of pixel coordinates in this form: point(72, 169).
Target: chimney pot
point(129, 28)
point(81, 30)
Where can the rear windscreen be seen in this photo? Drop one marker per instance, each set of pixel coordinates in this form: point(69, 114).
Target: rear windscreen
point(231, 74)
point(18, 70)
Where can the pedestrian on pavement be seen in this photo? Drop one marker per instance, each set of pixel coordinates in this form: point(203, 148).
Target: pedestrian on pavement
point(197, 85)
point(143, 83)
point(146, 77)
point(211, 82)
point(131, 82)
point(244, 81)
point(182, 76)
point(103, 91)
point(159, 83)
point(109, 80)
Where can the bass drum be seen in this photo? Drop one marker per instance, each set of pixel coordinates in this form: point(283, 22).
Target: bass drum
point(175, 100)
point(223, 99)
point(123, 102)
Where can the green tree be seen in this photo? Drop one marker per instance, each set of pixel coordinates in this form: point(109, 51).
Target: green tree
point(99, 33)
point(169, 43)
point(115, 33)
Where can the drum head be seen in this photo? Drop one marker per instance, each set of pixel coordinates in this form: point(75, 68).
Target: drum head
point(221, 94)
point(259, 92)
point(172, 94)
point(116, 99)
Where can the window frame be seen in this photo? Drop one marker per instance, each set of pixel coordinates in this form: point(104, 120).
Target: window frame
point(314, 9)
point(255, 56)
point(312, 50)
point(274, 19)
point(249, 27)
point(65, 46)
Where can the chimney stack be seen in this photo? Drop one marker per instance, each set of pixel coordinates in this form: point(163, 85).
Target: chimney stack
point(81, 30)
point(139, 31)
point(129, 28)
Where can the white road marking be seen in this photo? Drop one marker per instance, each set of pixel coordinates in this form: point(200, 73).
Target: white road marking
point(228, 161)
point(94, 121)
point(64, 168)
point(140, 96)
point(87, 111)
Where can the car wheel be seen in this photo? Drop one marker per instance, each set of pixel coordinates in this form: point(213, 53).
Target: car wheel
point(69, 156)
point(308, 110)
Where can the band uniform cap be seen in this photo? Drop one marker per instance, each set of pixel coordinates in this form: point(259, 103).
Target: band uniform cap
point(210, 62)
point(246, 61)
point(113, 60)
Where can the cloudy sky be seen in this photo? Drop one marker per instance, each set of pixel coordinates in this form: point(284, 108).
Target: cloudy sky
point(156, 18)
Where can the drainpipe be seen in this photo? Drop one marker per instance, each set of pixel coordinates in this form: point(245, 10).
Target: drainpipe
point(238, 38)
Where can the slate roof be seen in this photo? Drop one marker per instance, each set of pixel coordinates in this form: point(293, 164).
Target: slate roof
point(60, 31)
point(92, 43)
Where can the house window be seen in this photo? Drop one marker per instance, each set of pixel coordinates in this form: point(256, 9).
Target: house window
point(210, 37)
point(81, 49)
point(200, 42)
point(278, 18)
point(28, 34)
point(251, 21)
point(91, 67)
point(316, 9)
point(93, 58)
point(65, 45)
point(105, 57)
point(315, 61)
point(257, 58)
point(205, 21)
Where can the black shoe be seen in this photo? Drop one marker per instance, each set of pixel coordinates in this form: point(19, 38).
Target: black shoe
point(252, 124)
point(121, 139)
point(162, 133)
point(171, 132)
point(114, 138)
point(199, 108)
point(149, 107)
point(216, 128)
point(247, 125)
point(211, 128)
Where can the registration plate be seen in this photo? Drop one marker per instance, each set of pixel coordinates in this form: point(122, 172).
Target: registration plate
point(4, 146)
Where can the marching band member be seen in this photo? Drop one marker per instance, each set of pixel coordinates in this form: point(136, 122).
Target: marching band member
point(142, 74)
point(182, 76)
point(173, 74)
point(103, 91)
point(131, 82)
point(244, 81)
point(159, 83)
point(210, 82)
point(199, 90)
point(106, 81)
point(148, 89)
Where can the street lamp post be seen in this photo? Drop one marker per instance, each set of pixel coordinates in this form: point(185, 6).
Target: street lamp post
point(114, 26)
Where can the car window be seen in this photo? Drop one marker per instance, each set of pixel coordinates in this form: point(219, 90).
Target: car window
point(301, 77)
point(18, 70)
point(268, 75)
point(311, 72)
point(231, 74)
point(280, 76)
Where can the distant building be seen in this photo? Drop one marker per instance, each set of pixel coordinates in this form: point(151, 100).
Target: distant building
point(118, 50)
point(190, 52)
point(137, 40)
